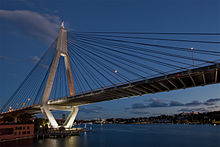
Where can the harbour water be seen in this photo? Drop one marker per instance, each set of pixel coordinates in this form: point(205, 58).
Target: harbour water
point(126, 135)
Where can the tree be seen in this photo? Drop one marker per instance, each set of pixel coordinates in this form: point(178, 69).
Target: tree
point(25, 118)
point(7, 119)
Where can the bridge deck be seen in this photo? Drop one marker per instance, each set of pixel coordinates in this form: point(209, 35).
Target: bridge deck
point(181, 80)
point(186, 79)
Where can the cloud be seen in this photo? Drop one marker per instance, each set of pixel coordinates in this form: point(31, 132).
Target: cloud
point(157, 103)
point(213, 100)
point(33, 24)
point(209, 103)
point(35, 59)
point(138, 106)
point(93, 109)
point(213, 107)
point(175, 103)
point(10, 59)
point(194, 110)
point(193, 104)
point(153, 103)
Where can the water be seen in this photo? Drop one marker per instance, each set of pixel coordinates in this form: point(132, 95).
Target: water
point(150, 135)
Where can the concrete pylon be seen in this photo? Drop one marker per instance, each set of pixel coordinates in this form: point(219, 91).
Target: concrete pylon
point(61, 50)
point(70, 120)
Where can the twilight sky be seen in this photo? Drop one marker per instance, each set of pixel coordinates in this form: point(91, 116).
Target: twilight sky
point(27, 27)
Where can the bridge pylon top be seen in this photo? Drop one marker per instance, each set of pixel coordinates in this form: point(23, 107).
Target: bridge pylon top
point(62, 25)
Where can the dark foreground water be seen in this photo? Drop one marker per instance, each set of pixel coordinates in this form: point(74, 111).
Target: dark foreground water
point(134, 136)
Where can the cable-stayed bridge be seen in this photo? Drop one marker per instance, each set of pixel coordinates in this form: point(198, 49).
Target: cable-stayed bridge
point(86, 67)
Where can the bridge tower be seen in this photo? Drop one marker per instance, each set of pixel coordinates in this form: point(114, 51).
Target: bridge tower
point(61, 51)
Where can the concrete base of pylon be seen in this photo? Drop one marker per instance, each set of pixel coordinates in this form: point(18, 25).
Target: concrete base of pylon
point(47, 114)
point(45, 109)
point(71, 118)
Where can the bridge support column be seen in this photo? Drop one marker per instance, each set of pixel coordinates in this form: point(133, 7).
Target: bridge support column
point(46, 112)
point(61, 50)
point(69, 121)
point(45, 109)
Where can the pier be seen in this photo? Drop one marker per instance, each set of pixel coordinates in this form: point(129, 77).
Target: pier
point(57, 133)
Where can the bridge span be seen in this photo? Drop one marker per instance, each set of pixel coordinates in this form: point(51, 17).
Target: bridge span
point(190, 78)
point(89, 67)
point(181, 80)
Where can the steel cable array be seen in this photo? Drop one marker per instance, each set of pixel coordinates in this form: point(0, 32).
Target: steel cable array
point(102, 60)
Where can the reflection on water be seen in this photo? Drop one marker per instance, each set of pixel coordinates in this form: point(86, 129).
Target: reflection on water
point(157, 135)
point(49, 143)
point(72, 141)
point(85, 139)
point(18, 143)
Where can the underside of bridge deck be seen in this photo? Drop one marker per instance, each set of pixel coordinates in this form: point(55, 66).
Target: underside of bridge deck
point(190, 78)
point(182, 80)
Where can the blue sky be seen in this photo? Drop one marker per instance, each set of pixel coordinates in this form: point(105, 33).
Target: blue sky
point(27, 27)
